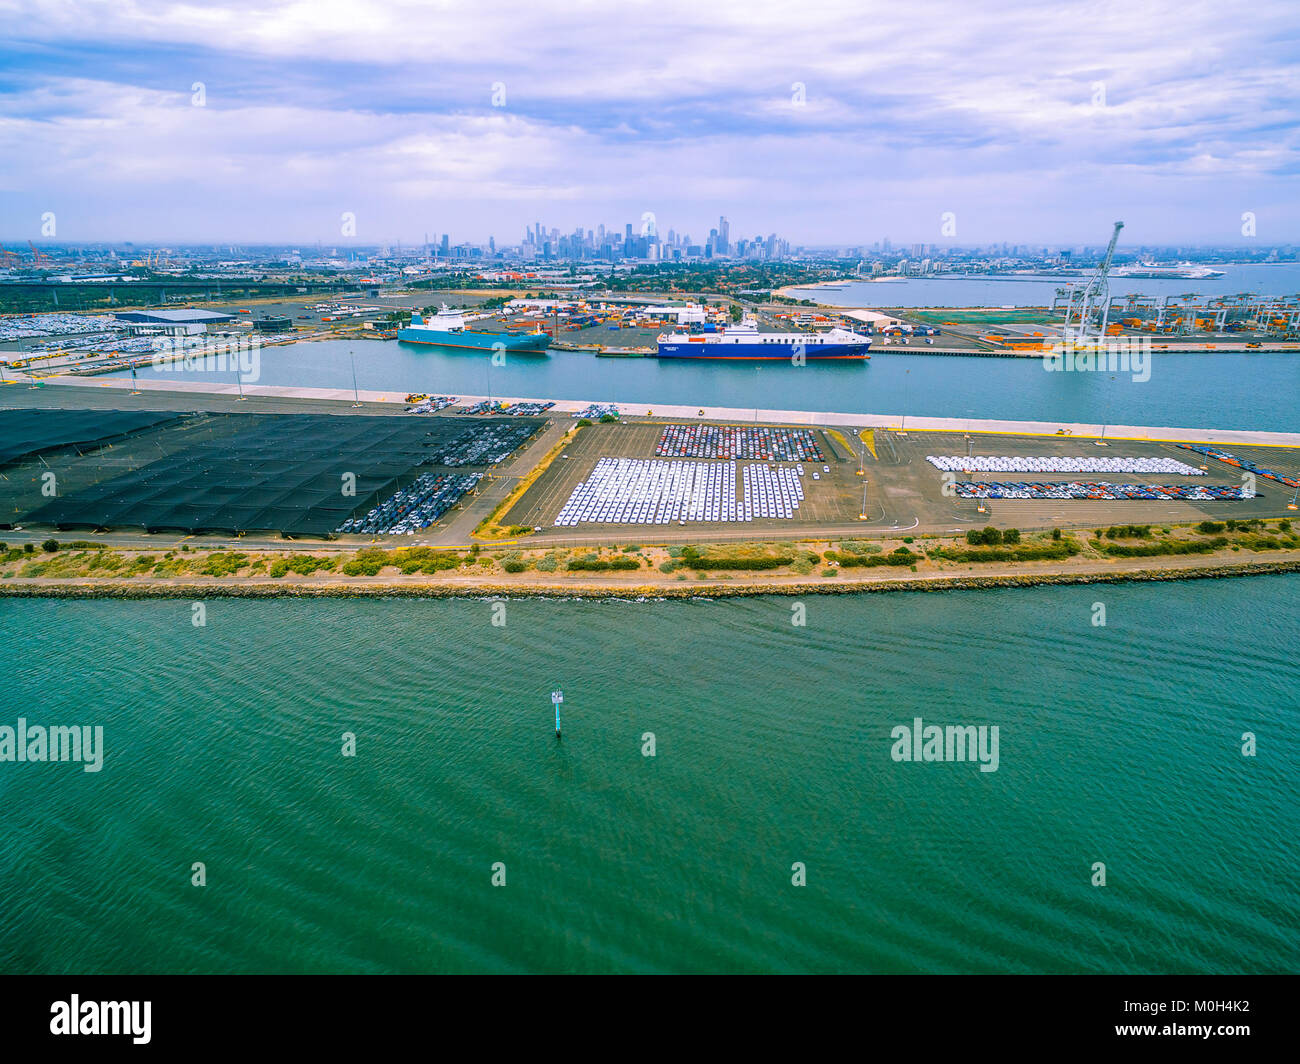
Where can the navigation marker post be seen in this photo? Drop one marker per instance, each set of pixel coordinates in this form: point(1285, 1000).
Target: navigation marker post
point(556, 698)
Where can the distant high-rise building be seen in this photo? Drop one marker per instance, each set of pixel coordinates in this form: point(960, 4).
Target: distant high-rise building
point(724, 235)
point(444, 249)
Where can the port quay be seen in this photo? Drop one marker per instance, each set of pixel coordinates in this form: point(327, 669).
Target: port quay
point(738, 415)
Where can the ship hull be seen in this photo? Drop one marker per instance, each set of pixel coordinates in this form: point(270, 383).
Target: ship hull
point(532, 344)
point(762, 352)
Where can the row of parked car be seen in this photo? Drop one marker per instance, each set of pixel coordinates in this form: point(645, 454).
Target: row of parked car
point(483, 444)
point(429, 404)
point(738, 441)
point(1003, 463)
point(1232, 459)
point(415, 507)
point(1088, 489)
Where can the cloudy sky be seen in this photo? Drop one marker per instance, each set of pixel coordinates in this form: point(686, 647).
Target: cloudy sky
point(827, 123)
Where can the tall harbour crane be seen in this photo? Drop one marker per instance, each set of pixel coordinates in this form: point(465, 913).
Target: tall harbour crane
point(1094, 298)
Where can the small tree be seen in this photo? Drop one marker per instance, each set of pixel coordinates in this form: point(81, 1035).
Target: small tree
point(1011, 535)
point(50, 546)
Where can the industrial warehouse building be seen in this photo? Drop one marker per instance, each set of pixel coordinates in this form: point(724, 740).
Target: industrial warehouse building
point(187, 322)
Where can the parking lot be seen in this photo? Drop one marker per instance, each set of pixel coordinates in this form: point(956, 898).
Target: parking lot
point(905, 491)
point(831, 490)
point(911, 488)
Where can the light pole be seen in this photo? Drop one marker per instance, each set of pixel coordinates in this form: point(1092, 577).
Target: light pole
point(356, 396)
point(862, 514)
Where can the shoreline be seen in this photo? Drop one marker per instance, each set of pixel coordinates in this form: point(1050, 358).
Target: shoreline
point(79, 588)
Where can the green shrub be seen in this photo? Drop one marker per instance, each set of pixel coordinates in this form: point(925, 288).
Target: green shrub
point(859, 547)
point(907, 539)
point(704, 564)
point(1282, 526)
point(1128, 532)
point(583, 422)
point(1023, 552)
point(1166, 546)
point(514, 565)
point(363, 566)
point(667, 566)
point(278, 568)
point(987, 536)
point(1209, 528)
point(802, 566)
point(830, 572)
point(902, 556)
point(591, 563)
point(607, 419)
point(50, 546)
point(1011, 535)
point(1056, 533)
point(306, 564)
point(548, 563)
point(224, 563)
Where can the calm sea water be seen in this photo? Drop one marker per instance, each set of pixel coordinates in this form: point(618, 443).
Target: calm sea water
point(1119, 744)
point(1282, 279)
point(1211, 390)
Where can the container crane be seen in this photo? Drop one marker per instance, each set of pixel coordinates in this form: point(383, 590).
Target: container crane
point(1094, 297)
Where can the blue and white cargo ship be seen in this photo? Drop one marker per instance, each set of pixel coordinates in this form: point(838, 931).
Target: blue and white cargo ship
point(448, 329)
point(744, 341)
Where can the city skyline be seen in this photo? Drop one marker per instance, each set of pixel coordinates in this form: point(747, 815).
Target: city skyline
point(297, 124)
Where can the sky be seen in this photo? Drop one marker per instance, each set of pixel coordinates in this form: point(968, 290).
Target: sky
point(827, 123)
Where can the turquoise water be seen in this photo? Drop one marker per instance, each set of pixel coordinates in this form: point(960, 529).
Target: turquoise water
point(1211, 390)
point(1119, 744)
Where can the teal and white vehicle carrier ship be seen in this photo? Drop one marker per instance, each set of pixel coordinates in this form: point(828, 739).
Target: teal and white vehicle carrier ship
point(448, 328)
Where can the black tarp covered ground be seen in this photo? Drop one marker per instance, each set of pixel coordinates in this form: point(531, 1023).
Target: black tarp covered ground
point(26, 433)
point(300, 474)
